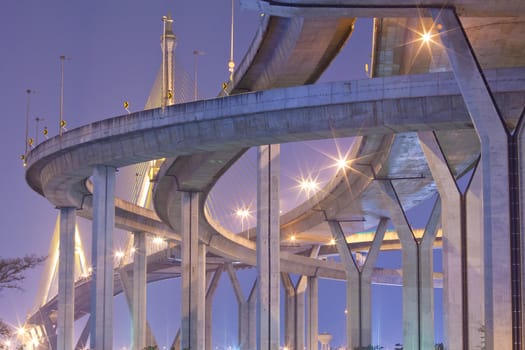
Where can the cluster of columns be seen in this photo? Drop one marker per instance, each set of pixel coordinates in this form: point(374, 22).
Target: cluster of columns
point(481, 248)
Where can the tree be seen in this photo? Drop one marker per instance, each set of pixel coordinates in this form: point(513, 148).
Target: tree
point(12, 272)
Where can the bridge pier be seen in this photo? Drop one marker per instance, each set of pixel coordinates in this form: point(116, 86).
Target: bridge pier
point(138, 305)
point(247, 312)
point(358, 285)
point(453, 225)
point(212, 287)
point(294, 311)
point(192, 329)
point(102, 258)
point(417, 298)
point(66, 279)
point(268, 247)
point(502, 278)
point(312, 316)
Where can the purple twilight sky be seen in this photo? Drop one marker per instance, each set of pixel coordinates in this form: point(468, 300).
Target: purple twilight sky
point(115, 54)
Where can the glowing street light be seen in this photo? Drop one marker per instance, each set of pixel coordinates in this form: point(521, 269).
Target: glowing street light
point(426, 36)
point(243, 214)
point(332, 241)
point(158, 240)
point(119, 254)
point(308, 186)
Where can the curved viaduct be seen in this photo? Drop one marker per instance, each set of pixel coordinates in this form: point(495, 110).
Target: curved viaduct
point(202, 139)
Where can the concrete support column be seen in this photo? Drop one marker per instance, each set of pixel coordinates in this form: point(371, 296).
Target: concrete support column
point(294, 312)
point(410, 267)
point(268, 247)
point(192, 335)
point(476, 262)
point(66, 279)
point(452, 221)
point(358, 285)
point(495, 169)
point(312, 325)
point(82, 340)
point(212, 287)
point(247, 312)
point(138, 306)
point(426, 278)
point(102, 258)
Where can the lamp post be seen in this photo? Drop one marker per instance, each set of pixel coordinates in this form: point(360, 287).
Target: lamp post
point(61, 121)
point(163, 102)
point(195, 54)
point(37, 121)
point(28, 100)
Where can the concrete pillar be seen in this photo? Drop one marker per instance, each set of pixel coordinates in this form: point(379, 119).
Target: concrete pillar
point(475, 263)
point(495, 169)
point(82, 340)
point(134, 309)
point(312, 325)
point(453, 224)
point(268, 247)
point(66, 279)
point(251, 327)
point(102, 258)
point(410, 264)
point(138, 306)
point(193, 275)
point(426, 278)
point(294, 311)
point(247, 312)
point(358, 285)
point(212, 287)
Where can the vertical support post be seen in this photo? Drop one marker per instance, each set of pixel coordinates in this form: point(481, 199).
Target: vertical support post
point(268, 246)
point(82, 340)
point(426, 278)
point(66, 279)
point(102, 258)
point(476, 262)
point(193, 275)
point(289, 311)
point(214, 283)
point(453, 250)
point(495, 168)
point(138, 314)
point(312, 327)
point(358, 285)
point(410, 267)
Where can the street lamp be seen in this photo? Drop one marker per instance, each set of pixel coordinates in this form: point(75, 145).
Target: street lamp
point(195, 54)
point(26, 140)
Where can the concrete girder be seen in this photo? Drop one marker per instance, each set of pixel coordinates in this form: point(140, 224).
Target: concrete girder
point(493, 135)
point(382, 8)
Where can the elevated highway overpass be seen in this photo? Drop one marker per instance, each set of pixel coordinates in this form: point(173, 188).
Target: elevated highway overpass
point(202, 139)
